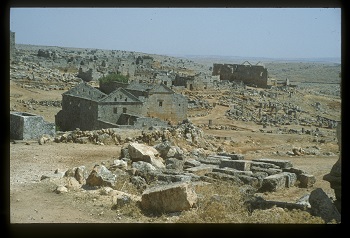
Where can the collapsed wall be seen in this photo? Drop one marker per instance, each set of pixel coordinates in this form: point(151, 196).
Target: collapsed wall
point(249, 74)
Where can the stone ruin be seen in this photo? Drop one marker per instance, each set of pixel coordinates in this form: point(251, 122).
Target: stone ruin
point(166, 173)
point(256, 75)
point(26, 126)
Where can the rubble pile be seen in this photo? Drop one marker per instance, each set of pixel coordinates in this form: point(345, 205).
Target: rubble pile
point(165, 171)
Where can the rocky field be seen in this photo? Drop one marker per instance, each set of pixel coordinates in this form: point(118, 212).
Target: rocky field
point(211, 168)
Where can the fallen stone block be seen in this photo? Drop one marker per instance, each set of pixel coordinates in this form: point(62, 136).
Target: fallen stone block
point(322, 206)
point(283, 164)
point(273, 183)
point(191, 163)
point(220, 157)
point(120, 199)
point(252, 181)
point(232, 156)
point(224, 177)
point(291, 178)
point(202, 169)
point(141, 152)
point(231, 171)
point(101, 176)
point(210, 160)
point(294, 170)
point(174, 197)
point(171, 178)
point(306, 180)
point(270, 171)
point(243, 165)
point(262, 204)
point(264, 165)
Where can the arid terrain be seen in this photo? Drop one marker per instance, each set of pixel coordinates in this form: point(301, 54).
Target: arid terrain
point(33, 200)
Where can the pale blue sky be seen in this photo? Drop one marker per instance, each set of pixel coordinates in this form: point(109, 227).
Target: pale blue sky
point(247, 32)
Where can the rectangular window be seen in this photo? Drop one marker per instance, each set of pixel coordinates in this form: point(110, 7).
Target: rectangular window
point(160, 103)
point(115, 110)
point(124, 109)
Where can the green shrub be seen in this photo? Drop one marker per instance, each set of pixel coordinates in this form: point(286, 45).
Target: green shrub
point(114, 78)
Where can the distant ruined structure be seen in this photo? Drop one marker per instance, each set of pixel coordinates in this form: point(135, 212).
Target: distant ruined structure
point(252, 75)
point(195, 82)
point(137, 105)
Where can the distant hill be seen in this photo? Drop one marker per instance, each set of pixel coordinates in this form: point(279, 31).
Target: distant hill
point(241, 59)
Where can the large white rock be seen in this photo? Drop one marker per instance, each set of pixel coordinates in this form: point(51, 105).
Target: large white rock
point(172, 197)
point(141, 152)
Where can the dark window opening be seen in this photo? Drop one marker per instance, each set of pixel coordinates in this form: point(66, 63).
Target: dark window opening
point(160, 103)
point(124, 109)
point(126, 99)
point(115, 110)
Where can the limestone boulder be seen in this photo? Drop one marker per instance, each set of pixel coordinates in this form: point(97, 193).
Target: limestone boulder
point(322, 206)
point(141, 152)
point(172, 197)
point(101, 176)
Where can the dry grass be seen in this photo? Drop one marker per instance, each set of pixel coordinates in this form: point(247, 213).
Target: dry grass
point(220, 202)
point(223, 203)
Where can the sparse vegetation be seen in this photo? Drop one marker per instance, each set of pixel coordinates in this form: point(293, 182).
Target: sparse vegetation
point(221, 202)
point(114, 78)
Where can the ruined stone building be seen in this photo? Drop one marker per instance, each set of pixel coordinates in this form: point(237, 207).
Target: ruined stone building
point(195, 82)
point(134, 105)
point(27, 126)
point(252, 75)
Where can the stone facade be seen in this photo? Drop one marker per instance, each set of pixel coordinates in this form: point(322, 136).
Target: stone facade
point(256, 75)
point(26, 126)
point(195, 82)
point(135, 104)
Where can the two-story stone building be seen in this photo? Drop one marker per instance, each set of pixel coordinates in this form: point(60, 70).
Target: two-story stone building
point(135, 105)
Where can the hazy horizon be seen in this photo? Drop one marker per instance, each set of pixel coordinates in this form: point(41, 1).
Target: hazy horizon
point(286, 33)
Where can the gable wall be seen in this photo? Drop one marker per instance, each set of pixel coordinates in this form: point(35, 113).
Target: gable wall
point(172, 108)
point(77, 113)
point(111, 112)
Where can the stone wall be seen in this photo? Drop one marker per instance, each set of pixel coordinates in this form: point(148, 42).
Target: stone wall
point(109, 87)
point(249, 74)
point(26, 126)
point(109, 111)
point(77, 112)
point(147, 122)
point(168, 107)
